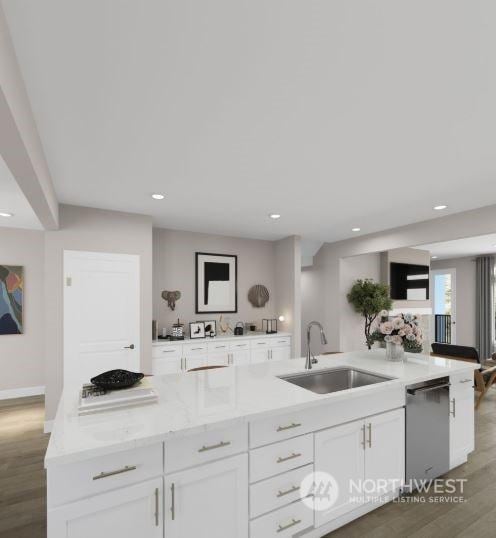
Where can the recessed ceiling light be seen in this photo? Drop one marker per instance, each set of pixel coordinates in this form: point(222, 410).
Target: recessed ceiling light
point(275, 216)
point(440, 207)
point(355, 229)
point(433, 257)
point(5, 214)
point(158, 196)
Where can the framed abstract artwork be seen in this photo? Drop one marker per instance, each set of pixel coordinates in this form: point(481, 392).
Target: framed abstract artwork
point(11, 299)
point(216, 288)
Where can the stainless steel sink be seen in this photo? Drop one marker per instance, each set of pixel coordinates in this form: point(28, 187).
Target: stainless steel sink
point(333, 380)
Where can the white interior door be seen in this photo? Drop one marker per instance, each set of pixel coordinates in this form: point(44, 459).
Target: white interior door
point(101, 314)
point(443, 293)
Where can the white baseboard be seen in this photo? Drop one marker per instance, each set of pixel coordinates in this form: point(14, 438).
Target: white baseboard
point(47, 428)
point(8, 394)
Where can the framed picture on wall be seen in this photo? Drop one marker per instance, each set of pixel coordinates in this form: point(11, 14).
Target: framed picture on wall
point(216, 287)
point(197, 329)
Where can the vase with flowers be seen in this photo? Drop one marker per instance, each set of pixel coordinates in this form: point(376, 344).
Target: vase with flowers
point(401, 333)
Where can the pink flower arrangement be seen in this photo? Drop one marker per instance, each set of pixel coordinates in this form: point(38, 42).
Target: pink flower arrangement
point(402, 330)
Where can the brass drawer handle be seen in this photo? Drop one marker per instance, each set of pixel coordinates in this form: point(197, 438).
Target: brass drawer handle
point(222, 444)
point(287, 492)
point(168, 350)
point(173, 501)
point(125, 469)
point(294, 522)
point(287, 458)
point(291, 426)
point(466, 380)
point(156, 508)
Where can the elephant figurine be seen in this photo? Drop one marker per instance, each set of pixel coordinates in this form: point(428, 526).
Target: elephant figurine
point(171, 297)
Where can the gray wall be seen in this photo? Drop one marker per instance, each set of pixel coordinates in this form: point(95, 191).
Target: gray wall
point(465, 297)
point(174, 269)
point(288, 287)
point(21, 355)
point(95, 230)
point(352, 323)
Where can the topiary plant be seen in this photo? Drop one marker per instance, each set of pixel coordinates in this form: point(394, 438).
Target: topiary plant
point(368, 299)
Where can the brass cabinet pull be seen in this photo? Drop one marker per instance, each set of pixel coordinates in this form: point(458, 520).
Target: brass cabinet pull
point(294, 522)
point(125, 469)
point(466, 380)
point(168, 350)
point(454, 408)
point(287, 458)
point(364, 443)
point(156, 508)
point(173, 502)
point(288, 491)
point(289, 427)
point(370, 435)
point(222, 444)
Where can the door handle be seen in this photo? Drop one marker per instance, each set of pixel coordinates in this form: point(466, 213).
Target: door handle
point(129, 347)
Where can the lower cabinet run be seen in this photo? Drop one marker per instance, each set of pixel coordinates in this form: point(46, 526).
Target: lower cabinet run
point(126, 512)
point(209, 500)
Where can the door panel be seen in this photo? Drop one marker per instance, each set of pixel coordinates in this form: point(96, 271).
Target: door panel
point(339, 451)
point(126, 512)
point(385, 453)
point(209, 500)
point(101, 314)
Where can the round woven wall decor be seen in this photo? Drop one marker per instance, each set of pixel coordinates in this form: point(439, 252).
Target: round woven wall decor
point(258, 295)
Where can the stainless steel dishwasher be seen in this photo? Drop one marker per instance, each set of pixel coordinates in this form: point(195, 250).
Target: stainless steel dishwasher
point(427, 430)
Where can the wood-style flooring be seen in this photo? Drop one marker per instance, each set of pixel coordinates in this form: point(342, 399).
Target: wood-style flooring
point(23, 500)
point(22, 476)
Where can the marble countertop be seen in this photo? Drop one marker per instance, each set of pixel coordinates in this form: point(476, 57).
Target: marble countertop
point(257, 334)
point(197, 401)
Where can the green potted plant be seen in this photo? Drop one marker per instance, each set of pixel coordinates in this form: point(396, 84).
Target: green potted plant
point(369, 298)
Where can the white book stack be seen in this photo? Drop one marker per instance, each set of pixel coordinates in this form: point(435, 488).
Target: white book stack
point(140, 394)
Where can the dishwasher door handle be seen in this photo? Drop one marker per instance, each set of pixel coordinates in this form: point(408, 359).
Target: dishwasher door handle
point(428, 389)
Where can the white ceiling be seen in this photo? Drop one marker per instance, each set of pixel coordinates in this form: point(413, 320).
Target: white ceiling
point(334, 114)
point(460, 248)
point(12, 200)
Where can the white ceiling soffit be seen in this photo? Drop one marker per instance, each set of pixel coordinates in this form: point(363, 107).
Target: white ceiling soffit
point(334, 114)
point(13, 201)
point(460, 248)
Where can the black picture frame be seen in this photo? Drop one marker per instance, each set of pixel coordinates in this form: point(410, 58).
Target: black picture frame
point(199, 324)
point(232, 260)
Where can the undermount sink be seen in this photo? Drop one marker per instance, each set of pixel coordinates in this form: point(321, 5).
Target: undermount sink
point(333, 380)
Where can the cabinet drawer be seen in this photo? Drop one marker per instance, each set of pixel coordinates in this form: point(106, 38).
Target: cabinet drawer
point(208, 446)
point(235, 346)
point(284, 522)
point(277, 491)
point(216, 347)
point(282, 341)
point(280, 457)
point(258, 343)
point(74, 481)
point(163, 352)
point(461, 382)
point(170, 365)
point(280, 427)
point(190, 350)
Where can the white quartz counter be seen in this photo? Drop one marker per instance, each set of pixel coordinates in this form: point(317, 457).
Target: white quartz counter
point(197, 401)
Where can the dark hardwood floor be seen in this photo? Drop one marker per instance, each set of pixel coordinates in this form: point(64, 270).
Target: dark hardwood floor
point(23, 500)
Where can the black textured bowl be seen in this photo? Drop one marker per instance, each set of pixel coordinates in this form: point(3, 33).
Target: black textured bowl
point(117, 379)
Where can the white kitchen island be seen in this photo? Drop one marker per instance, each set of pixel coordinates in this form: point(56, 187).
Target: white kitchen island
point(223, 452)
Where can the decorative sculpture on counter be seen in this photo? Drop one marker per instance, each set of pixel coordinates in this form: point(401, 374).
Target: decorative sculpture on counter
point(171, 297)
point(224, 328)
point(258, 295)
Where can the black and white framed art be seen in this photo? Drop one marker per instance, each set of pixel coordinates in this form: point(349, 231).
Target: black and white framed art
point(196, 329)
point(216, 289)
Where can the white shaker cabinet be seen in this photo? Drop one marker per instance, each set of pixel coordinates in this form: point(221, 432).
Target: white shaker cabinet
point(461, 419)
point(211, 498)
point(365, 451)
point(126, 512)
